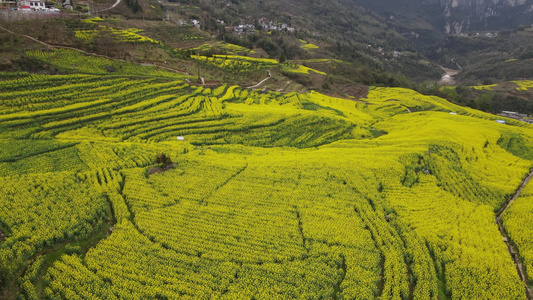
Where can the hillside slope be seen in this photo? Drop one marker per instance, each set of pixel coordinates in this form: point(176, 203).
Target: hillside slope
point(390, 36)
point(272, 195)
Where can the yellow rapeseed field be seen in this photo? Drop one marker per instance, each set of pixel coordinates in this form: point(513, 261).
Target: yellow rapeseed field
point(271, 195)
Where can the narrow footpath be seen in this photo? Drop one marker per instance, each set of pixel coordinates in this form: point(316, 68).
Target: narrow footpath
point(261, 82)
point(111, 7)
point(512, 251)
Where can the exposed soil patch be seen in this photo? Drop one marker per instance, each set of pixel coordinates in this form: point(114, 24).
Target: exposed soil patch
point(155, 170)
point(451, 72)
point(447, 78)
point(349, 91)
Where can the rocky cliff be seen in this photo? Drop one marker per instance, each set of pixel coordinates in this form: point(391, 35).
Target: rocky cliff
point(467, 15)
point(451, 16)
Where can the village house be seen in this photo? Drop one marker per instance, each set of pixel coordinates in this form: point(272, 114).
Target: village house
point(32, 4)
point(515, 115)
point(512, 114)
point(27, 5)
point(246, 28)
point(195, 23)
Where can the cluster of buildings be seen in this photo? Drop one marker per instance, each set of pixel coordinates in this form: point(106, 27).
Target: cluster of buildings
point(381, 50)
point(489, 35)
point(246, 28)
point(273, 26)
point(268, 26)
point(516, 116)
point(27, 5)
point(193, 22)
point(242, 28)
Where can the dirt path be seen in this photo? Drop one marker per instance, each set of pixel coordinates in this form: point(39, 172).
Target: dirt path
point(111, 7)
point(51, 46)
point(512, 251)
point(261, 82)
point(26, 36)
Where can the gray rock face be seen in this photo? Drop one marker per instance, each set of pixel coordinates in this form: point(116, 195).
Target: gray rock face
point(451, 16)
point(479, 5)
point(466, 15)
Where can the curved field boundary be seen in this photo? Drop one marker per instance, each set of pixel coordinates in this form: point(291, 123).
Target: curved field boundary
point(510, 248)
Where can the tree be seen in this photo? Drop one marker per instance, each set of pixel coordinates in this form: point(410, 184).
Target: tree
point(164, 160)
point(484, 102)
point(282, 57)
point(134, 6)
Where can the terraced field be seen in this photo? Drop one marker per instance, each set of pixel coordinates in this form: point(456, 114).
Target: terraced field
point(272, 195)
